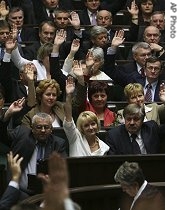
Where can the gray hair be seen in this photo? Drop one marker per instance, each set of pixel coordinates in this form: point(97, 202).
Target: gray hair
point(41, 115)
point(129, 173)
point(96, 30)
point(98, 53)
point(138, 45)
point(134, 109)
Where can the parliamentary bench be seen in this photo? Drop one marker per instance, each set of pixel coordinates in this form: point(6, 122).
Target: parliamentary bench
point(97, 197)
point(100, 170)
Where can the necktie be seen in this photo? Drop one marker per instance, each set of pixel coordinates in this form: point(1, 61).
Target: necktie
point(93, 20)
point(142, 72)
point(19, 38)
point(148, 96)
point(40, 152)
point(2, 53)
point(51, 15)
point(135, 145)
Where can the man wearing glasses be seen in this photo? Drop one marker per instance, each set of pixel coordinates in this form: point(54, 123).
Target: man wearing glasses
point(33, 144)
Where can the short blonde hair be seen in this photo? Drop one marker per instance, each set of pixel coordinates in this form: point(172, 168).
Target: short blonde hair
point(43, 85)
point(87, 116)
point(132, 89)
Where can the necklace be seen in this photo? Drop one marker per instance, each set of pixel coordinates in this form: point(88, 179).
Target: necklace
point(95, 143)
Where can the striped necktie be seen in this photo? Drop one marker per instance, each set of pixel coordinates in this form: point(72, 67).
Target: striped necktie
point(148, 96)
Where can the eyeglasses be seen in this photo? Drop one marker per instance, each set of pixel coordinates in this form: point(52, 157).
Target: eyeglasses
point(151, 68)
point(105, 18)
point(40, 127)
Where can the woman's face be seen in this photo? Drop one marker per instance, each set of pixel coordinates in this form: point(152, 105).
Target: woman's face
point(49, 97)
point(147, 7)
point(137, 98)
point(99, 100)
point(89, 127)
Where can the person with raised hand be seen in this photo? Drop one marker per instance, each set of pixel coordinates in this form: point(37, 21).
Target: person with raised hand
point(12, 193)
point(82, 137)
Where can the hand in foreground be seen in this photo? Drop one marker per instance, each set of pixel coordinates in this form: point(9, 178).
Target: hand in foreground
point(14, 164)
point(56, 184)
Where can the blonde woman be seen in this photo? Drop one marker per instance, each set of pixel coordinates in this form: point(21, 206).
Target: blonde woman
point(82, 136)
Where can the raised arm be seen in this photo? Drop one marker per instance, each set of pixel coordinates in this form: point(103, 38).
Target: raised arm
point(68, 63)
point(70, 87)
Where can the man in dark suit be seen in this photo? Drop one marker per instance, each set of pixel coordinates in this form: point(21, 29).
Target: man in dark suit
point(16, 16)
point(135, 136)
point(142, 194)
point(120, 74)
point(88, 14)
point(12, 193)
point(44, 9)
point(47, 32)
point(33, 144)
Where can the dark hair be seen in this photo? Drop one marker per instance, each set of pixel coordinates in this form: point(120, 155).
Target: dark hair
point(152, 59)
point(97, 86)
point(49, 22)
point(4, 24)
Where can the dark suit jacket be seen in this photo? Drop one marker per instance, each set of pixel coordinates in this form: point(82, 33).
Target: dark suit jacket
point(150, 198)
point(84, 17)
point(40, 9)
point(9, 198)
point(30, 52)
point(28, 34)
point(120, 143)
point(24, 143)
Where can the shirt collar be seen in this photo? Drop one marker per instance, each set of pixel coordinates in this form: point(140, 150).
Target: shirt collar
point(139, 193)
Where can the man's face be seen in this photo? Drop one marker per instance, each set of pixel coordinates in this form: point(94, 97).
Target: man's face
point(153, 70)
point(41, 129)
point(152, 35)
point(16, 18)
point(4, 32)
point(92, 5)
point(131, 190)
point(133, 123)
point(104, 19)
point(158, 21)
point(141, 55)
point(61, 19)
point(50, 4)
point(100, 40)
point(47, 34)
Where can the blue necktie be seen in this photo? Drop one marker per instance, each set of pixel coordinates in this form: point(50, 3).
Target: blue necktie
point(135, 145)
point(2, 53)
point(40, 152)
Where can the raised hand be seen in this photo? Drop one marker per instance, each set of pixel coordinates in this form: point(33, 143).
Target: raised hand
point(30, 71)
point(16, 106)
point(134, 10)
point(70, 85)
point(118, 38)
point(75, 46)
point(60, 37)
point(10, 43)
point(14, 165)
point(77, 68)
point(4, 11)
point(56, 183)
point(74, 20)
point(89, 59)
